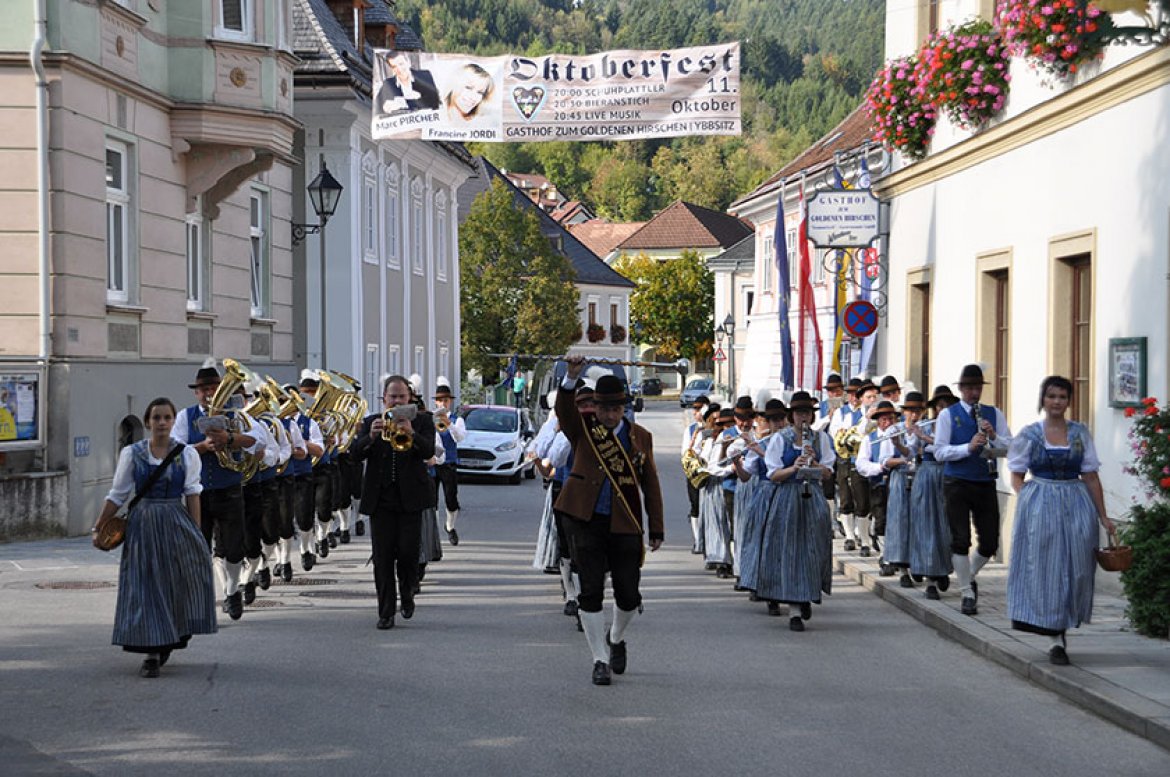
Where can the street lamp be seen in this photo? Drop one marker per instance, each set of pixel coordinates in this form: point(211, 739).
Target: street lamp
point(729, 330)
point(718, 345)
point(324, 194)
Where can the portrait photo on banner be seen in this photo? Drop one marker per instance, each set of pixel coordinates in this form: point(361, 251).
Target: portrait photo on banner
point(436, 96)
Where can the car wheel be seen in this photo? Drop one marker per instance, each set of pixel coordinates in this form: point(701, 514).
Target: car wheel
point(515, 479)
point(530, 473)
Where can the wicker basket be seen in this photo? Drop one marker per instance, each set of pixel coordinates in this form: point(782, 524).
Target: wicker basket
point(1115, 558)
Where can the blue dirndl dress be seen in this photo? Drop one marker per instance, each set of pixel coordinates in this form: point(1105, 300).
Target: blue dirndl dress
point(930, 534)
point(744, 494)
point(1050, 580)
point(896, 551)
point(750, 523)
point(430, 547)
point(165, 593)
point(796, 551)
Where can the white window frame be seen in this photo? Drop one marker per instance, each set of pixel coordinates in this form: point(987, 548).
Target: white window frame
point(392, 232)
point(793, 267)
point(768, 271)
point(373, 367)
point(818, 269)
point(417, 233)
point(445, 360)
point(393, 360)
point(259, 241)
point(420, 362)
point(119, 203)
point(369, 220)
point(198, 233)
point(247, 21)
point(441, 236)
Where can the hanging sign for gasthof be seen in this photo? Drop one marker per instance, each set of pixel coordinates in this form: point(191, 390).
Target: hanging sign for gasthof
point(843, 219)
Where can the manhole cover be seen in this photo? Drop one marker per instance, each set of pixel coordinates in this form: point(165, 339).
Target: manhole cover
point(312, 581)
point(262, 603)
point(76, 585)
point(340, 594)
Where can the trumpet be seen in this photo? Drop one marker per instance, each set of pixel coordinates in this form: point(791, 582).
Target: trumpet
point(400, 439)
point(442, 421)
point(679, 364)
point(900, 429)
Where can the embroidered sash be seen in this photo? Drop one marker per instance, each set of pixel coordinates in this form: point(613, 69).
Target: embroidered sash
point(616, 464)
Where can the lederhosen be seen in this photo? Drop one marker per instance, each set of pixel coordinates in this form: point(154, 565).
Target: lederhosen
point(879, 487)
point(303, 482)
point(969, 488)
point(286, 494)
point(447, 473)
point(221, 504)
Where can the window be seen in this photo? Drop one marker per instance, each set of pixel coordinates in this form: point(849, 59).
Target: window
point(235, 19)
point(118, 202)
point(416, 248)
point(445, 360)
point(818, 268)
point(371, 383)
point(441, 244)
point(260, 259)
point(198, 233)
point(592, 313)
point(1080, 336)
point(419, 360)
point(749, 301)
point(369, 221)
point(1002, 328)
point(932, 19)
point(394, 360)
point(391, 228)
point(769, 259)
point(793, 267)
point(614, 314)
point(918, 329)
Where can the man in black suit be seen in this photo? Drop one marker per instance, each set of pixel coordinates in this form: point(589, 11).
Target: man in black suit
point(395, 491)
point(405, 89)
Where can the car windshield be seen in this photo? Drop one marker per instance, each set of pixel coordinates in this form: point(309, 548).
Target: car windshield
point(490, 419)
point(699, 384)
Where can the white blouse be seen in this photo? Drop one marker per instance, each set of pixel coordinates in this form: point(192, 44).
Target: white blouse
point(123, 484)
point(1020, 448)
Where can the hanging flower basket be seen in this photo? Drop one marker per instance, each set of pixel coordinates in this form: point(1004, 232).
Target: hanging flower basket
point(1056, 36)
point(963, 71)
point(902, 122)
point(617, 333)
point(595, 333)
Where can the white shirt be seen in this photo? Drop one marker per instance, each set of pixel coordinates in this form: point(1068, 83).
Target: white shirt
point(714, 452)
point(865, 463)
point(547, 434)
point(778, 445)
point(842, 419)
point(1020, 452)
point(179, 431)
point(296, 440)
point(944, 451)
point(558, 452)
point(123, 484)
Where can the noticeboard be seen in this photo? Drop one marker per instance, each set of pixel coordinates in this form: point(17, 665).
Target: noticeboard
point(843, 218)
point(20, 408)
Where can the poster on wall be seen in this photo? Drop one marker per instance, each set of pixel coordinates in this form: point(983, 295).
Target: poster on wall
point(614, 95)
point(19, 411)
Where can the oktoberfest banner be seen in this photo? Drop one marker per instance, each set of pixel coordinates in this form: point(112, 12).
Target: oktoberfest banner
point(615, 95)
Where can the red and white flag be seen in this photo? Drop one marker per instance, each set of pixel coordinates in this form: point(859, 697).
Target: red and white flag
point(808, 363)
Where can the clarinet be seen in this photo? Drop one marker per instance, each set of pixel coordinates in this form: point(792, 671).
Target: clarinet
point(992, 469)
point(809, 454)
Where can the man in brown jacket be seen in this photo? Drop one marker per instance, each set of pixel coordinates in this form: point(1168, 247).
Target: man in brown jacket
point(613, 471)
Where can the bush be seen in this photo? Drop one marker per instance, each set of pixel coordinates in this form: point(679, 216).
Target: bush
point(1147, 582)
point(617, 333)
point(595, 333)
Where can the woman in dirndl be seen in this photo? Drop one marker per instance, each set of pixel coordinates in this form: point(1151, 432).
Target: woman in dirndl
point(896, 553)
point(165, 593)
point(749, 528)
point(1050, 580)
point(797, 545)
point(930, 534)
point(712, 502)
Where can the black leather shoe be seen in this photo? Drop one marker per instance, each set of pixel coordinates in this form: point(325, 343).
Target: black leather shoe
point(943, 583)
point(331, 539)
point(571, 608)
point(932, 593)
point(264, 578)
point(453, 537)
point(359, 528)
point(796, 624)
point(344, 538)
point(1058, 656)
point(307, 561)
point(886, 570)
point(805, 610)
point(917, 578)
point(774, 608)
point(150, 667)
point(975, 590)
point(864, 551)
point(617, 655)
point(225, 607)
point(967, 606)
point(249, 592)
point(408, 610)
point(323, 549)
point(235, 604)
point(905, 581)
point(601, 673)
point(385, 623)
point(850, 545)
point(286, 573)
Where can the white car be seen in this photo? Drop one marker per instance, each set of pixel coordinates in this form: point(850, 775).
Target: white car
point(497, 442)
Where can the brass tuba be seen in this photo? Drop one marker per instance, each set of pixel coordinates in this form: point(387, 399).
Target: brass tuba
point(234, 420)
point(265, 410)
point(325, 412)
point(351, 406)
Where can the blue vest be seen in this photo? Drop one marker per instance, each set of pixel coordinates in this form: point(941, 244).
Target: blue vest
point(963, 428)
point(303, 466)
point(214, 476)
point(875, 452)
point(449, 446)
point(1055, 463)
point(288, 470)
point(732, 480)
point(170, 483)
point(604, 504)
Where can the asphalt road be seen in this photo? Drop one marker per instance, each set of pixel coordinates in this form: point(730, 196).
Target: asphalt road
point(489, 678)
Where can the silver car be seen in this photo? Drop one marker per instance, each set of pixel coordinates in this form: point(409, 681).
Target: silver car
point(497, 442)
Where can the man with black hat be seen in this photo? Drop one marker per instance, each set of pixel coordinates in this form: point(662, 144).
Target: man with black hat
point(222, 501)
point(446, 474)
point(613, 472)
point(395, 491)
point(967, 438)
point(890, 390)
point(691, 442)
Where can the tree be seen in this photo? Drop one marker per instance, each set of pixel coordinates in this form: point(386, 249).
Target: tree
point(517, 293)
point(673, 303)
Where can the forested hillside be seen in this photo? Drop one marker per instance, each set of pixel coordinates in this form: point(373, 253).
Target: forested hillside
point(806, 64)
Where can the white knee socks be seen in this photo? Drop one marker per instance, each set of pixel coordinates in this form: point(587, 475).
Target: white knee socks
point(452, 516)
point(849, 523)
point(231, 582)
point(568, 581)
point(285, 550)
point(962, 566)
point(342, 518)
point(977, 563)
point(594, 625)
point(621, 620)
point(268, 557)
point(307, 541)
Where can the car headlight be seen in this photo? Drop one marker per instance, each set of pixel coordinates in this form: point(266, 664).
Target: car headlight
point(506, 446)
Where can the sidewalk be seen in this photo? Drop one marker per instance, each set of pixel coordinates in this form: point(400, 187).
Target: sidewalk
point(1115, 673)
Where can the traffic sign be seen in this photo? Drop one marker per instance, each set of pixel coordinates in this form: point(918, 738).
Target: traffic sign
point(860, 318)
point(719, 355)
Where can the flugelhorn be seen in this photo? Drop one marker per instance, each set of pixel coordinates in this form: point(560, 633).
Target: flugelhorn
point(400, 439)
point(442, 421)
